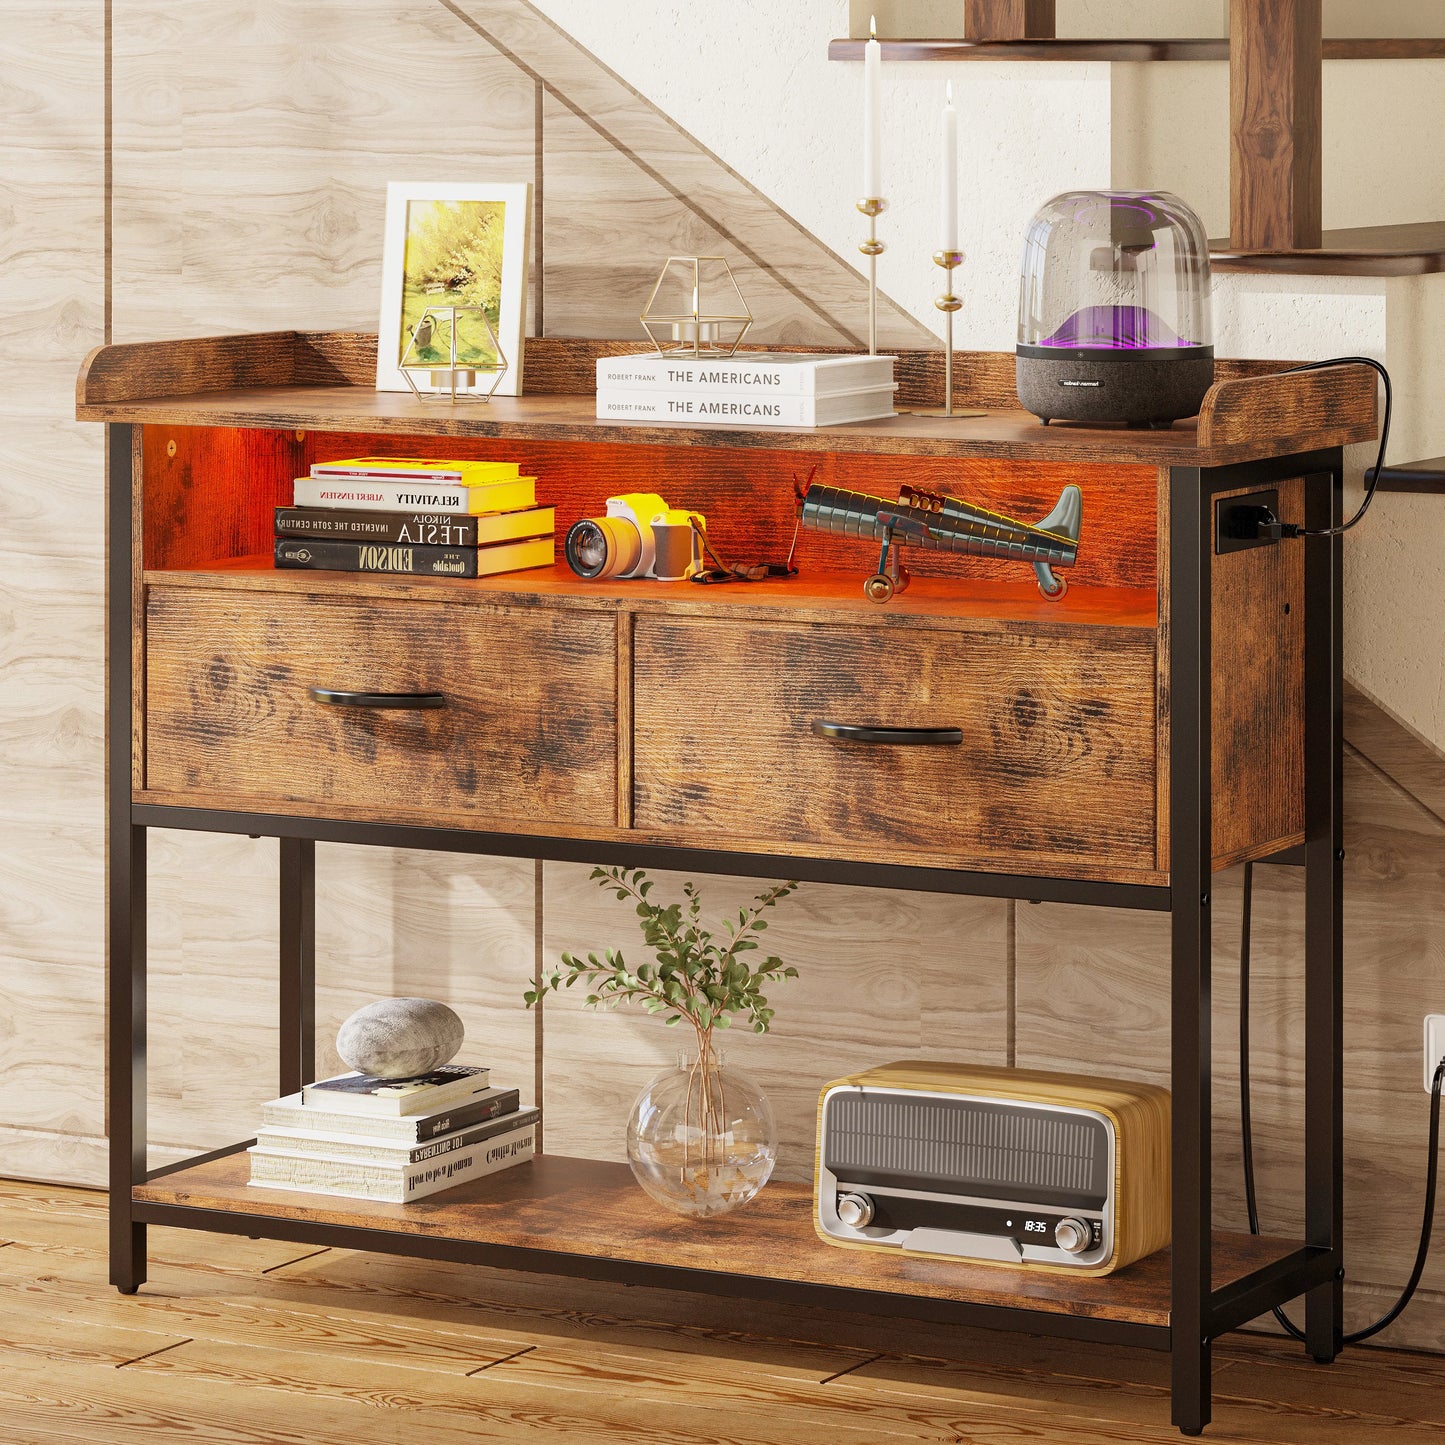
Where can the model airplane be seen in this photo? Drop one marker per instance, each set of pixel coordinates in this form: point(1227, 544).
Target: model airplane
point(939, 523)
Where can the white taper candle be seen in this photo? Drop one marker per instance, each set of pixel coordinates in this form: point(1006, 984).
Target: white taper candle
point(872, 114)
point(948, 193)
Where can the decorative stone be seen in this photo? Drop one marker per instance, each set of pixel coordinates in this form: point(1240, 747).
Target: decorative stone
point(399, 1038)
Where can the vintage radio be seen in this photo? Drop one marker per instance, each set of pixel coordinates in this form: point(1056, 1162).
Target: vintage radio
point(1007, 1166)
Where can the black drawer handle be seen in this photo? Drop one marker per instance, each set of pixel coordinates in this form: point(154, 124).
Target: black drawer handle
point(402, 701)
point(892, 737)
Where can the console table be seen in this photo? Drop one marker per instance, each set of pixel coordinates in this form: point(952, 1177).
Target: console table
point(1177, 712)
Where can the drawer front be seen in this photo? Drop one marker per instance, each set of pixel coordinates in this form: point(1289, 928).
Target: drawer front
point(1056, 766)
point(528, 730)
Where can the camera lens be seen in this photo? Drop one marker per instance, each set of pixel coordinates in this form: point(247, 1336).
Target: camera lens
point(586, 548)
point(598, 547)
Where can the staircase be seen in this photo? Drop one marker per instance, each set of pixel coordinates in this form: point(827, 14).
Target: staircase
point(1276, 53)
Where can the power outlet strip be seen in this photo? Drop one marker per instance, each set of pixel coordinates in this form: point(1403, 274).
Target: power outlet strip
point(1434, 1046)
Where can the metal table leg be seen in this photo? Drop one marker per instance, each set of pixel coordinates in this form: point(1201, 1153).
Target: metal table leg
point(1324, 893)
point(126, 891)
point(298, 963)
point(1190, 857)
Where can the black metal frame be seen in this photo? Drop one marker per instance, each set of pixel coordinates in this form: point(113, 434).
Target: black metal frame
point(1199, 1312)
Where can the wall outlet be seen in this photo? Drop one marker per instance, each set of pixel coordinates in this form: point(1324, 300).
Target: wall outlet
point(1434, 1046)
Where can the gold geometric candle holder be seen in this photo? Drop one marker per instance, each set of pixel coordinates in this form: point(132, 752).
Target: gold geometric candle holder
point(696, 308)
point(454, 346)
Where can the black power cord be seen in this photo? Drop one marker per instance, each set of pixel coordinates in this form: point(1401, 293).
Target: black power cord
point(1432, 1167)
point(1272, 527)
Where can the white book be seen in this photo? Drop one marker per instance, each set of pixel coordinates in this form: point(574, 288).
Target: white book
point(390, 494)
point(785, 373)
point(290, 1113)
point(731, 409)
point(313, 1174)
point(365, 1149)
point(360, 1093)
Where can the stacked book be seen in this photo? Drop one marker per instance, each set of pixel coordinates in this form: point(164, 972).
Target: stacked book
point(423, 518)
point(760, 388)
point(389, 1140)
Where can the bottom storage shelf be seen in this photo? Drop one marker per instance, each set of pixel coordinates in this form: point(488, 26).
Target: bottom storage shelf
point(555, 1213)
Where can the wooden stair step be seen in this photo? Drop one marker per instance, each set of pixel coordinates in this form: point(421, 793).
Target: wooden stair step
point(1422, 48)
point(1413, 248)
point(1426, 476)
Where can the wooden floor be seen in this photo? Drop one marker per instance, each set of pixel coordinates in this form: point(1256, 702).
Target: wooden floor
point(242, 1342)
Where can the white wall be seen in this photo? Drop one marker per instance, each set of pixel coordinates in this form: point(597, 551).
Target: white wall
point(1030, 130)
point(1395, 562)
point(1142, 19)
point(1171, 127)
point(1384, 17)
point(1026, 132)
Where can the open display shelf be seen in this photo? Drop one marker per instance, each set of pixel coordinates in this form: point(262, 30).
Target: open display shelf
point(811, 596)
point(1176, 712)
point(587, 1217)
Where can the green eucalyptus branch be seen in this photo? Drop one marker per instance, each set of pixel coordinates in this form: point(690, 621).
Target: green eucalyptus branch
point(696, 975)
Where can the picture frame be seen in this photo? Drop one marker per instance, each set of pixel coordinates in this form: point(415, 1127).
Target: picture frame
point(455, 244)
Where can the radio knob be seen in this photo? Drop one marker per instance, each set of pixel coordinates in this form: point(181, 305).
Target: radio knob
point(855, 1210)
point(1073, 1236)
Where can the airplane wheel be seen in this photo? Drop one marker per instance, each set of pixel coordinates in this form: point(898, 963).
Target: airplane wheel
point(1060, 587)
point(904, 578)
point(878, 588)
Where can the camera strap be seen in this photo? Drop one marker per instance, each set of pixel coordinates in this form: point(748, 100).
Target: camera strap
point(722, 571)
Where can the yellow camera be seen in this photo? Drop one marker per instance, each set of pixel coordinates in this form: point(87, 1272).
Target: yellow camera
point(640, 536)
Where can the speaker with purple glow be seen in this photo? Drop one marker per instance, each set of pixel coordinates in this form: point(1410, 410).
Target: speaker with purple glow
point(1114, 318)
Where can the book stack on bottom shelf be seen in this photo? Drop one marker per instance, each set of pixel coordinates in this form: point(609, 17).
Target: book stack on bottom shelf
point(393, 1141)
point(416, 517)
point(783, 388)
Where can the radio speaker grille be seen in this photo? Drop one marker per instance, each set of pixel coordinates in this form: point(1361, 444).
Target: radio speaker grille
point(967, 1146)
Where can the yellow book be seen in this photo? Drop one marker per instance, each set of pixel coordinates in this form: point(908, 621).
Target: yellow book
point(510, 526)
point(516, 556)
point(418, 469)
point(387, 494)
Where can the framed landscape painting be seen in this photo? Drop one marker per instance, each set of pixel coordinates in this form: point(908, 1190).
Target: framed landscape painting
point(454, 246)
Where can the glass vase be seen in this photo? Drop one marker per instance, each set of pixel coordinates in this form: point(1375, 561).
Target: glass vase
point(701, 1138)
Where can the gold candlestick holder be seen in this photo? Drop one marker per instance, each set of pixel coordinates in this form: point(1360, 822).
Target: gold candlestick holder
point(948, 303)
point(872, 248)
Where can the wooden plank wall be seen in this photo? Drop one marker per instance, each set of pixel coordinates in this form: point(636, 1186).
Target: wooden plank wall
point(51, 579)
point(251, 142)
point(251, 145)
